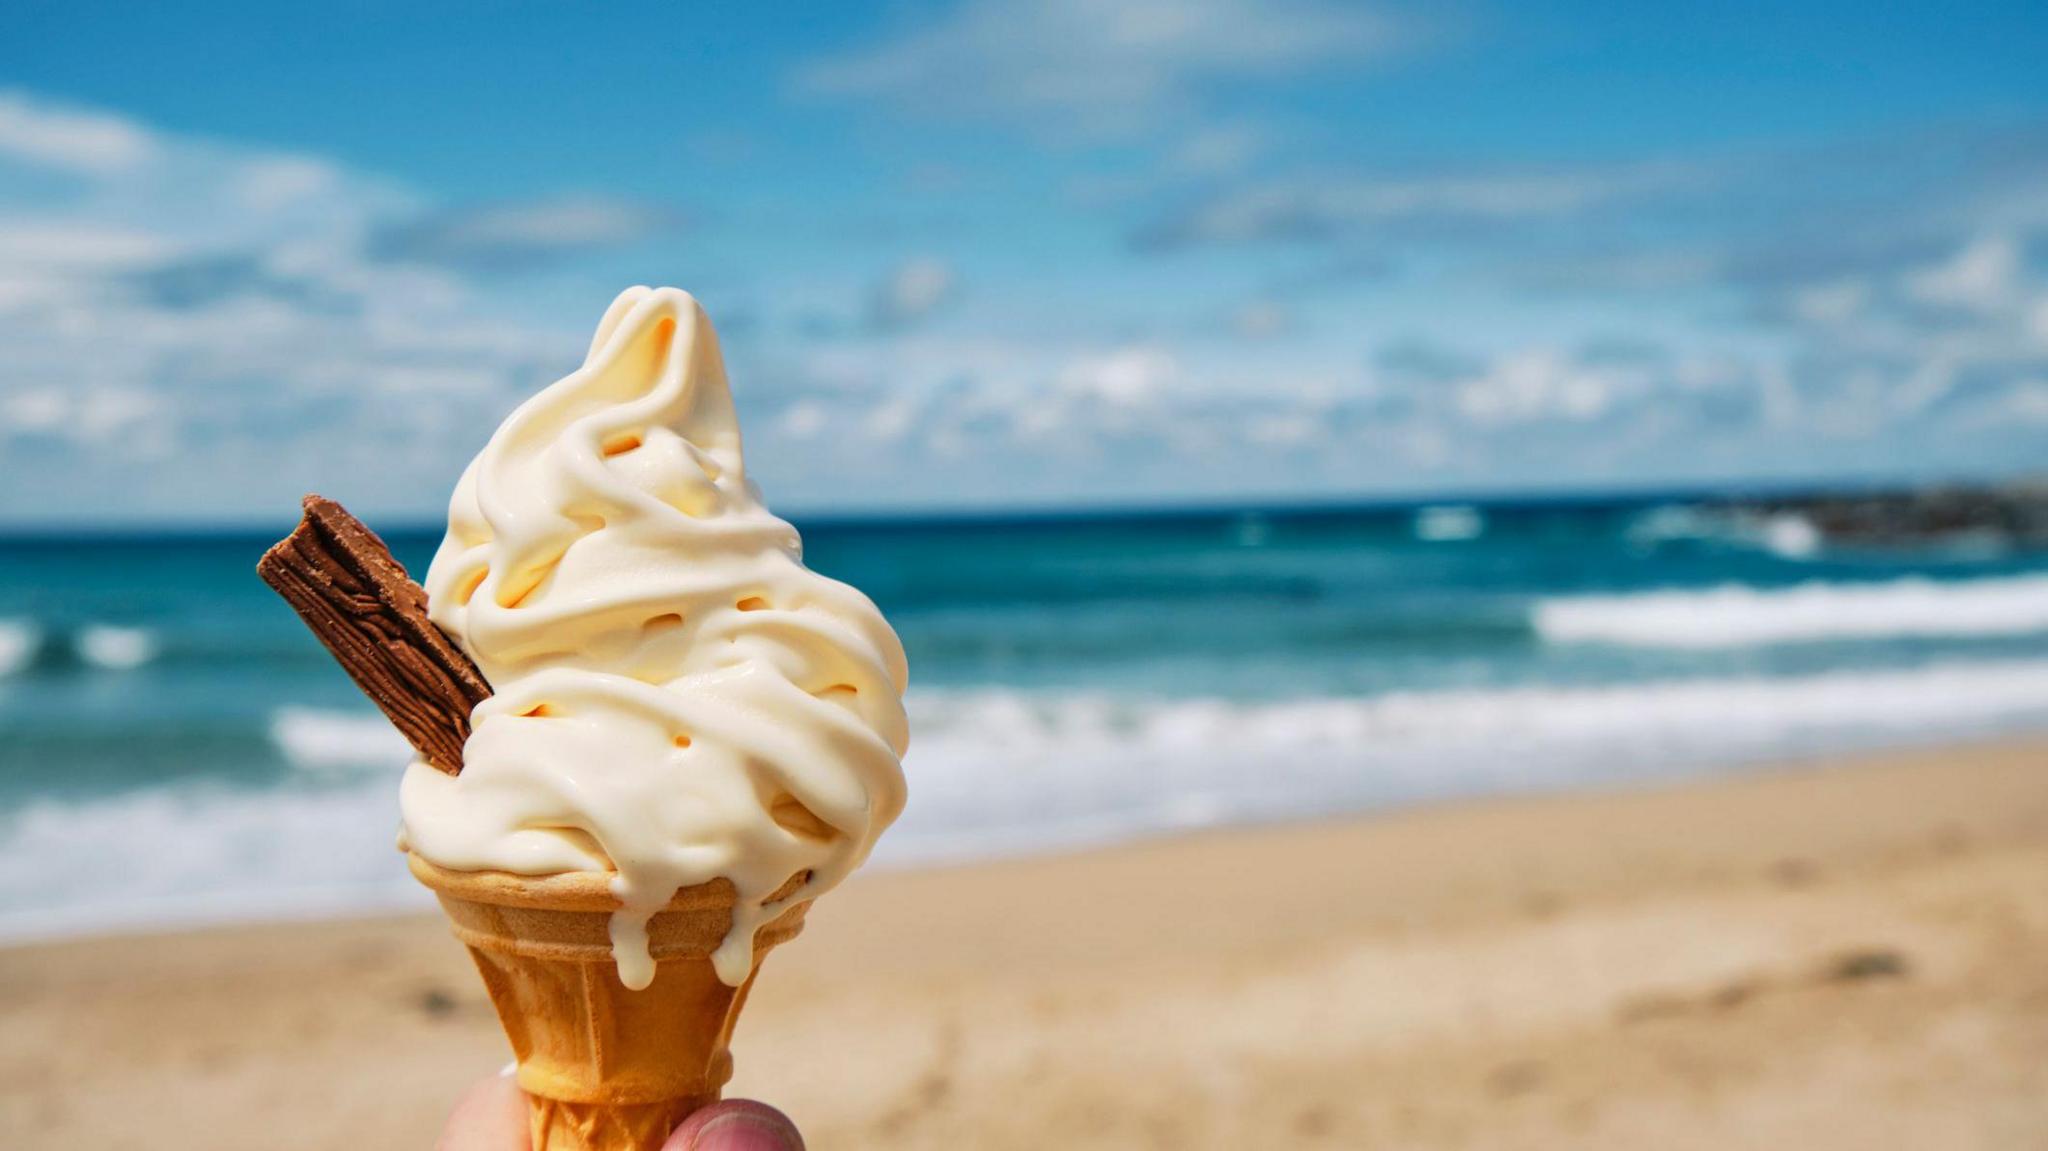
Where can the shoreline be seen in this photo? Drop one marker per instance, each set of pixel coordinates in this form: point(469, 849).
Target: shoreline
point(1846, 953)
point(180, 916)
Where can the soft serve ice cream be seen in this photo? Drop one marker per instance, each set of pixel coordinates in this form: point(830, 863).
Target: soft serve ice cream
point(677, 698)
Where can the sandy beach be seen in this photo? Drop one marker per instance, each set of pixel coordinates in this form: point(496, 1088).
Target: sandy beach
point(1847, 955)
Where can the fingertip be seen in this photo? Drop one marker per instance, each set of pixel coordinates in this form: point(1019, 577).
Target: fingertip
point(490, 1116)
point(736, 1125)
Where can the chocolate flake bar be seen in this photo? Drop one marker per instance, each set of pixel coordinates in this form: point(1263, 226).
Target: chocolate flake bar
point(372, 617)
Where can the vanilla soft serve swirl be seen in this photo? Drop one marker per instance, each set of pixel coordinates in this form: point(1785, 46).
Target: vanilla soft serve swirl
point(678, 698)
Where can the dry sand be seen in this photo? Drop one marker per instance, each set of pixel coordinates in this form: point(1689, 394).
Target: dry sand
point(1814, 958)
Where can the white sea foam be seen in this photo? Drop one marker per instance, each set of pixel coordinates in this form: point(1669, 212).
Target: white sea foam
point(112, 648)
point(997, 767)
point(175, 856)
point(1735, 616)
point(1789, 535)
point(317, 740)
point(995, 772)
point(1672, 522)
point(20, 640)
point(1449, 523)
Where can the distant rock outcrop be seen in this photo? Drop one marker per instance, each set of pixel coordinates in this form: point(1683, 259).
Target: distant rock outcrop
point(2005, 516)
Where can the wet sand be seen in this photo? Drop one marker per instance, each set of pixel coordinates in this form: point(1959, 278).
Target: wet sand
point(1835, 956)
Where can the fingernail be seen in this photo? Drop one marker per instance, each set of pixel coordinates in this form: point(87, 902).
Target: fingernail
point(509, 1070)
point(747, 1131)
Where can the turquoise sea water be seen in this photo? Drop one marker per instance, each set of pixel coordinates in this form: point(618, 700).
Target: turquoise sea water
point(174, 745)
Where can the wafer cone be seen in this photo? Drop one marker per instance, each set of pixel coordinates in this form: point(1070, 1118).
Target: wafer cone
point(607, 1068)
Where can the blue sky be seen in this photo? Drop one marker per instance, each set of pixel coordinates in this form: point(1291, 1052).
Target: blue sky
point(981, 254)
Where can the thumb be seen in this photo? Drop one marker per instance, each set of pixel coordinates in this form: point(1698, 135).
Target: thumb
point(736, 1125)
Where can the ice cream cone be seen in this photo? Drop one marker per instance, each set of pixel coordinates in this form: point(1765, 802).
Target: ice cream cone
point(607, 1068)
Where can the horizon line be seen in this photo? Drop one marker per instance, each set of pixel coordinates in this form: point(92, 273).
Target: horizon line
point(1194, 508)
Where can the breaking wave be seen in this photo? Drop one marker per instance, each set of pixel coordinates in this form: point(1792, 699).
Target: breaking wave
point(1736, 616)
point(997, 772)
point(20, 640)
point(317, 740)
point(27, 646)
point(112, 648)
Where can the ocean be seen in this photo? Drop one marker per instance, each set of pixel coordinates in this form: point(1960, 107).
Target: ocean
point(174, 747)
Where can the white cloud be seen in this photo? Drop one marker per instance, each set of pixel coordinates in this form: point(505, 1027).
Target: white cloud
point(2029, 402)
point(892, 419)
point(497, 236)
point(287, 321)
point(59, 246)
point(913, 291)
point(803, 420)
point(1067, 68)
point(1125, 378)
point(1833, 302)
point(92, 415)
point(932, 418)
point(192, 296)
point(269, 183)
point(1770, 315)
point(1542, 384)
point(34, 410)
point(1884, 348)
point(1982, 277)
point(102, 414)
point(1285, 430)
point(50, 135)
point(1303, 209)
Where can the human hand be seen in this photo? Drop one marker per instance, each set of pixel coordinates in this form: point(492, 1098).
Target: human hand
point(492, 1117)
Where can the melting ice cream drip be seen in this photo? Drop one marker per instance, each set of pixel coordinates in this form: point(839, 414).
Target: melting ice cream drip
point(678, 698)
